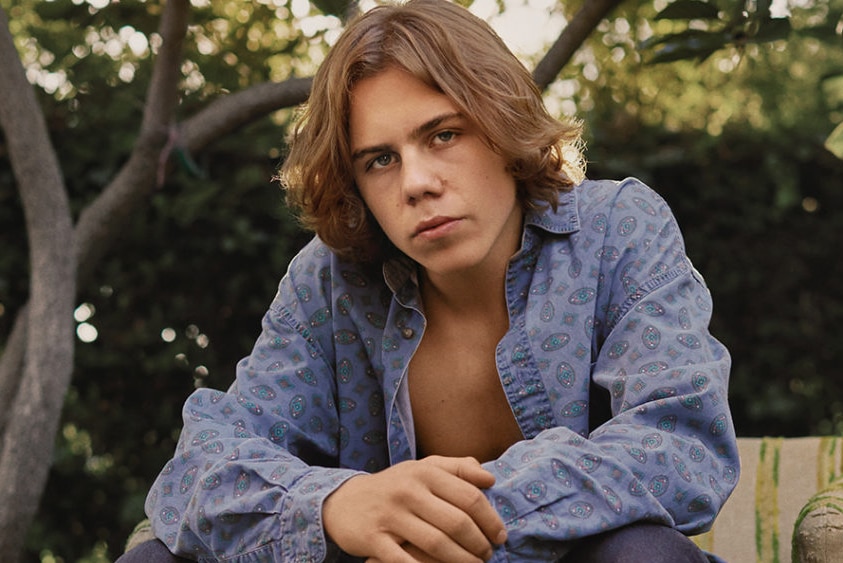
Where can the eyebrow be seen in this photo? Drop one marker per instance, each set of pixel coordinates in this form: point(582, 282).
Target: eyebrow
point(416, 133)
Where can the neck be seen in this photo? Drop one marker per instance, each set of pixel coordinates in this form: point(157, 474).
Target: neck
point(479, 290)
point(464, 295)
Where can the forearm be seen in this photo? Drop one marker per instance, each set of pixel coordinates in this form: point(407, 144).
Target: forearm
point(228, 487)
point(667, 455)
point(558, 488)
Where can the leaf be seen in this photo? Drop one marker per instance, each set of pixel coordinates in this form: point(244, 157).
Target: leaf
point(824, 29)
point(824, 33)
point(763, 8)
point(55, 10)
point(771, 29)
point(337, 8)
point(651, 42)
point(187, 163)
point(831, 86)
point(689, 10)
point(690, 44)
point(834, 143)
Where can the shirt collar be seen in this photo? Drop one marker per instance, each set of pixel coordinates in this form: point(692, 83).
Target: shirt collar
point(564, 220)
point(400, 273)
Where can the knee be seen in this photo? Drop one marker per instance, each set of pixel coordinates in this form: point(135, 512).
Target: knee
point(637, 543)
point(153, 551)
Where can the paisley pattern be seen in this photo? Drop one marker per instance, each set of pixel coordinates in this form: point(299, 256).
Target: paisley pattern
point(605, 306)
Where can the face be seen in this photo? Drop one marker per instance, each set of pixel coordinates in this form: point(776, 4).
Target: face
point(438, 191)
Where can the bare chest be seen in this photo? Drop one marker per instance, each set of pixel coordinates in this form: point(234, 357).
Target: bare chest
point(459, 405)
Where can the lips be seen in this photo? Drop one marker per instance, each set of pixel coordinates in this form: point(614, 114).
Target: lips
point(430, 226)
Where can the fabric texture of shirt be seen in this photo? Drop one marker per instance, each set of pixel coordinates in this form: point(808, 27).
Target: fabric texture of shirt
point(608, 366)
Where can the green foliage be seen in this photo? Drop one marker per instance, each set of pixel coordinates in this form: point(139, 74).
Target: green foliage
point(708, 29)
point(743, 23)
point(832, 88)
point(336, 8)
point(834, 143)
point(689, 10)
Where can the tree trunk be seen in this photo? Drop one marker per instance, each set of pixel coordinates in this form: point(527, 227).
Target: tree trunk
point(26, 446)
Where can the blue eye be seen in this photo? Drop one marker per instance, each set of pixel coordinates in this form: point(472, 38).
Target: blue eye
point(380, 161)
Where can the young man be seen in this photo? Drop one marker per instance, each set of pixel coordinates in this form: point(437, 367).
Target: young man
point(479, 358)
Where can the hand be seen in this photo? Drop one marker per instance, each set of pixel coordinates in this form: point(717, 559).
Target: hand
point(416, 511)
point(415, 553)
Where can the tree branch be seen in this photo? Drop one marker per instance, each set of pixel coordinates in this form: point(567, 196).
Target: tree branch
point(228, 113)
point(104, 217)
point(11, 367)
point(46, 353)
point(29, 432)
point(162, 94)
point(571, 38)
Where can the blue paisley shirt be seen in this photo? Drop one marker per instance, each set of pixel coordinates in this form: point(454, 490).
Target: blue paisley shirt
point(608, 366)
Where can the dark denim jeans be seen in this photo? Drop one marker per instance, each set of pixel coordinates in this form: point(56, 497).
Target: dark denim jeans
point(638, 543)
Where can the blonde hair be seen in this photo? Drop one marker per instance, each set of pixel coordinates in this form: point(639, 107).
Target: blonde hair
point(454, 52)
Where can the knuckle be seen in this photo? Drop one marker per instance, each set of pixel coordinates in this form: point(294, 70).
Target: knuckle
point(435, 541)
point(461, 526)
point(474, 498)
point(436, 460)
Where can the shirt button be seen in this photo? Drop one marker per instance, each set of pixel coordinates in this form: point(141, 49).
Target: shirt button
point(407, 332)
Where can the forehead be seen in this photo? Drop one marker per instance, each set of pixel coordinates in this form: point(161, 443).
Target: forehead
point(391, 102)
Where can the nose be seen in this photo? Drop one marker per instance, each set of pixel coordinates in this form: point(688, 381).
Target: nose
point(419, 178)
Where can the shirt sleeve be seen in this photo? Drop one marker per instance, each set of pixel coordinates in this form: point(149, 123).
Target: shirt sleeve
point(238, 487)
point(668, 453)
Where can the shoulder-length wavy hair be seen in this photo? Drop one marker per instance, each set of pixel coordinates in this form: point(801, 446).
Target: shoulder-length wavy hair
point(454, 52)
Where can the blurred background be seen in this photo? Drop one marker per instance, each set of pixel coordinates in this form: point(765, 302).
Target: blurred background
point(726, 117)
